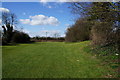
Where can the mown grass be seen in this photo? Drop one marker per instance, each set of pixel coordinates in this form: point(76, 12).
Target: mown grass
point(52, 60)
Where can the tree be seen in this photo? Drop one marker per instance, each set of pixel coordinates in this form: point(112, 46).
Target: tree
point(0, 37)
point(8, 21)
point(107, 16)
point(9, 18)
point(8, 32)
point(80, 31)
point(105, 12)
point(20, 37)
point(101, 34)
point(56, 34)
point(97, 10)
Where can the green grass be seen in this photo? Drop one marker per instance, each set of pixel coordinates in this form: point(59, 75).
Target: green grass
point(108, 56)
point(52, 60)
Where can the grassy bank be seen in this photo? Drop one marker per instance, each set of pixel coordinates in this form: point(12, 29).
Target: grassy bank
point(109, 55)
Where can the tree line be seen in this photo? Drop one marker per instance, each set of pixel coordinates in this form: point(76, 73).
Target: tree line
point(40, 39)
point(99, 22)
point(9, 34)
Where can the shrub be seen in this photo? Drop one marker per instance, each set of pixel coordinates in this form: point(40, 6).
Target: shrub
point(80, 31)
point(102, 33)
point(70, 35)
point(20, 37)
point(4, 42)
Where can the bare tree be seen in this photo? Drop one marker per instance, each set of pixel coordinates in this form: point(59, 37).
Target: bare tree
point(8, 21)
point(56, 35)
point(9, 18)
point(46, 35)
point(103, 11)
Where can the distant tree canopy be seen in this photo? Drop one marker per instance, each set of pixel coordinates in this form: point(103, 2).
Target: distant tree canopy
point(48, 38)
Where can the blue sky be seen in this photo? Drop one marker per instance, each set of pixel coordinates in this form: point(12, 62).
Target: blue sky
point(36, 18)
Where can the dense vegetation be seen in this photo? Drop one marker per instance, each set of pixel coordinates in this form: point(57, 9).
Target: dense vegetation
point(100, 22)
point(9, 35)
point(80, 31)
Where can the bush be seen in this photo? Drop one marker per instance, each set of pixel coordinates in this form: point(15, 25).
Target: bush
point(70, 35)
point(4, 42)
point(80, 31)
point(102, 33)
point(117, 38)
point(20, 37)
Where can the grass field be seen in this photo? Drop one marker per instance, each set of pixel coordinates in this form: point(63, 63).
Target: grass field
point(52, 60)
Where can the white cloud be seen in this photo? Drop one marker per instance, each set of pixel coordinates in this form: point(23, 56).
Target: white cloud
point(63, 35)
point(44, 0)
point(1, 24)
point(26, 31)
point(0, 21)
point(25, 21)
point(4, 10)
point(67, 28)
point(40, 20)
point(45, 4)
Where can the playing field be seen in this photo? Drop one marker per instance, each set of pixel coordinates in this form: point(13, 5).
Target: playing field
point(51, 60)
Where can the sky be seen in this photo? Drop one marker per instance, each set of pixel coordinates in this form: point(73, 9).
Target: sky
point(37, 18)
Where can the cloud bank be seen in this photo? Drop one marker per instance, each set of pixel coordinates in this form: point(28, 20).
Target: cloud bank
point(4, 10)
point(40, 20)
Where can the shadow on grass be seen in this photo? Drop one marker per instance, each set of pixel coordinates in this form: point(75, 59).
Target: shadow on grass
point(16, 44)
